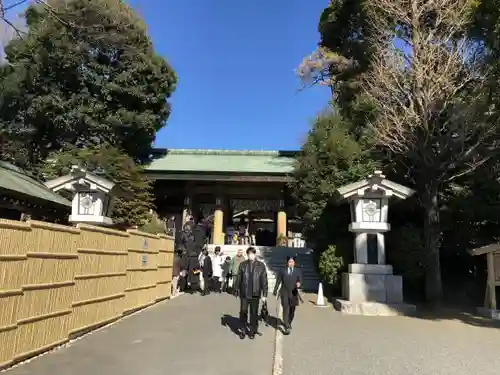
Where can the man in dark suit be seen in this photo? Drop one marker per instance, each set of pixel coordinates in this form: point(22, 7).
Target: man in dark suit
point(200, 235)
point(250, 286)
point(290, 280)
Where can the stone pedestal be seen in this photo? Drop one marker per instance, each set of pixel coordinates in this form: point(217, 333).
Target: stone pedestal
point(374, 308)
point(372, 289)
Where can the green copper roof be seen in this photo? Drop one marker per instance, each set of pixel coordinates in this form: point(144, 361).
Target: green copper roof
point(17, 180)
point(223, 161)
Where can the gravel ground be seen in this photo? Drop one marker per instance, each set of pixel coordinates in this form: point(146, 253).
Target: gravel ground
point(183, 336)
point(324, 342)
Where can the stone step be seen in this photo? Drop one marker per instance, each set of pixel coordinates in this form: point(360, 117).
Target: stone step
point(274, 258)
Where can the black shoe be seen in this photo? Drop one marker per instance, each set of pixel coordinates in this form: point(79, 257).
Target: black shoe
point(287, 330)
point(251, 336)
point(241, 334)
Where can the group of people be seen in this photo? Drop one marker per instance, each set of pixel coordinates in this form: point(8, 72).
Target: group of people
point(196, 270)
point(219, 271)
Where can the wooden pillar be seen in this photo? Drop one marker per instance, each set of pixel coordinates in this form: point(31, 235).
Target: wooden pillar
point(490, 260)
point(187, 209)
point(217, 235)
point(281, 224)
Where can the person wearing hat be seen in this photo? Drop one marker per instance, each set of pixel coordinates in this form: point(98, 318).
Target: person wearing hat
point(250, 286)
point(288, 283)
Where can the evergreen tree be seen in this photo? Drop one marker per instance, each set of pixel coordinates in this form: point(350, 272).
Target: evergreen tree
point(85, 74)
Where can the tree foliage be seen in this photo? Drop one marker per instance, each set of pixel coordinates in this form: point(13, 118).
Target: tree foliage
point(85, 74)
point(342, 57)
point(112, 164)
point(417, 82)
point(330, 157)
point(430, 102)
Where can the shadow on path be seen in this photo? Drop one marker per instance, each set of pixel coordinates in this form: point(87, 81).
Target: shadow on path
point(467, 316)
point(233, 323)
point(464, 314)
point(274, 322)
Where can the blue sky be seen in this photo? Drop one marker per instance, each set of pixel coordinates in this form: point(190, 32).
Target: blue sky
point(236, 65)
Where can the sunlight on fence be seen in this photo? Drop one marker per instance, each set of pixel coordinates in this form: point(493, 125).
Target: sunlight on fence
point(58, 281)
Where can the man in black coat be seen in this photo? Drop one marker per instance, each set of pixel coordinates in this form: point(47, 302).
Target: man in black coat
point(250, 286)
point(191, 262)
point(200, 235)
point(290, 280)
point(206, 267)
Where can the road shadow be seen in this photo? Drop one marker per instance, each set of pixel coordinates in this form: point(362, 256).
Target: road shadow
point(463, 315)
point(273, 321)
point(232, 322)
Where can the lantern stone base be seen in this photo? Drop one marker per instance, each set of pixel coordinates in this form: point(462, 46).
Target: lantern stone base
point(488, 313)
point(372, 289)
point(376, 287)
point(90, 219)
point(371, 269)
point(374, 308)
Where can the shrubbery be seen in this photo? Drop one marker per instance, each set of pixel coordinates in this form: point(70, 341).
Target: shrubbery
point(331, 265)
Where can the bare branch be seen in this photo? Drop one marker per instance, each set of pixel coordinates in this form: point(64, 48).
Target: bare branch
point(6, 21)
point(425, 85)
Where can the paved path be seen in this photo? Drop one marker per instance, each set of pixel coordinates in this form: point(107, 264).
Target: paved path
point(183, 336)
point(323, 342)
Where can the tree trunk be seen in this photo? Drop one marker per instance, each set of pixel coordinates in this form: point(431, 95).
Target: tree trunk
point(433, 282)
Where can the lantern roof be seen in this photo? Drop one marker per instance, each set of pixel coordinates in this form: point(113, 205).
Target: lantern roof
point(79, 178)
point(375, 182)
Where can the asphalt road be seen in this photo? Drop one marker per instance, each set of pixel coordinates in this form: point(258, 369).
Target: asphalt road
point(183, 336)
point(324, 342)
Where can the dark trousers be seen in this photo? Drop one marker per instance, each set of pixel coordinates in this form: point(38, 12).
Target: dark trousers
point(249, 305)
point(288, 311)
point(182, 283)
point(207, 284)
point(216, 284)
point(225, 283)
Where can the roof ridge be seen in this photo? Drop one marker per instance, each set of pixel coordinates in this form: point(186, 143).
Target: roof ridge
point(194, 151)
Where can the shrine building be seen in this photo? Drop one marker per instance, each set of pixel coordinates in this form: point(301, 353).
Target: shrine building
point(238, 190)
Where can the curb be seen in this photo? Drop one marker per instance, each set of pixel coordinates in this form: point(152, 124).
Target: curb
point(278, 346)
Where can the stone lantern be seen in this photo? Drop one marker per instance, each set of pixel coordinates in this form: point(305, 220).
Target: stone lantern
point(369, 287)
point(92, 196)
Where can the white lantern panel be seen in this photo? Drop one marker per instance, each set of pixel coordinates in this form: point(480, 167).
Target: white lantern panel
point(371, 210)
point(86, 203)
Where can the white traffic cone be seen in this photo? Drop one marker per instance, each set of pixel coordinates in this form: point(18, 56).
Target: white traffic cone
point(320, 301)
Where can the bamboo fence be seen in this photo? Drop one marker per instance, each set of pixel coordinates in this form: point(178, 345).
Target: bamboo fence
point(57, 282)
